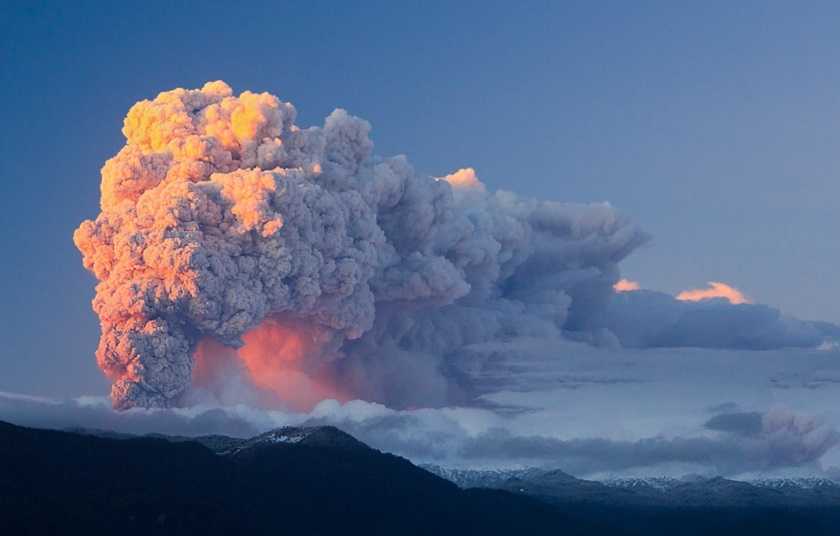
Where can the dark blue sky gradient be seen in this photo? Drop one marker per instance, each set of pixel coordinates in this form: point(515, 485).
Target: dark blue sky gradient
point(713, 124)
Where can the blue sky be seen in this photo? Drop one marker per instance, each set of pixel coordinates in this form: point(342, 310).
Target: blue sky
point(713, 125)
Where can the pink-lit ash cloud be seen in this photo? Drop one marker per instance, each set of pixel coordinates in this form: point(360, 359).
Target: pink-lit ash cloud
point(224, 226)
point(626, 285)
point(716, 289)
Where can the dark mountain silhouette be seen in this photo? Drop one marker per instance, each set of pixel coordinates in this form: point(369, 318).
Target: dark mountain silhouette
point(310, 481)
point(289, 481)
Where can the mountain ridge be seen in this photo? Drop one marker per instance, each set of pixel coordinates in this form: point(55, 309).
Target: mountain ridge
point(690, 491)
point(57, 482)
point(320, 480)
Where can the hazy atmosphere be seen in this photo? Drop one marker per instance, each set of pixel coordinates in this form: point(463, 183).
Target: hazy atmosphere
point(596, 237)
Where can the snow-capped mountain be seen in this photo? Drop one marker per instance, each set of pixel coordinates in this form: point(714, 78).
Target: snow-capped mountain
point(688, 492)
point(311, 436)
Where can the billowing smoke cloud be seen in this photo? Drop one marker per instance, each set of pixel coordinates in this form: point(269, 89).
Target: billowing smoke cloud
point(220, 216)
point(644, 319)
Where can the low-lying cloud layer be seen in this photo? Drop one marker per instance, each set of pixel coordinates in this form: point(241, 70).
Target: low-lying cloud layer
point(784, 440)
point(733, 443)
point(595, 412)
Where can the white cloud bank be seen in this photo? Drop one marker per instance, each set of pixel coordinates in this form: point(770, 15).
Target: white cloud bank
point(596, 413)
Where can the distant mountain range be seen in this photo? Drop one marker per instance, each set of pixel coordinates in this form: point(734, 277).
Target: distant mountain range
point(309, 481)
point(689, 492)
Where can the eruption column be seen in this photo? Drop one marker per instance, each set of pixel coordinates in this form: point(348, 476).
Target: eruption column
point(220, 216)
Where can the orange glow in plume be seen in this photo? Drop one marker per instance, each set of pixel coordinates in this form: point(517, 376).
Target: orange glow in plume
point(716, 289)
point(280, 359)
point(464, 178)
point(626, 285)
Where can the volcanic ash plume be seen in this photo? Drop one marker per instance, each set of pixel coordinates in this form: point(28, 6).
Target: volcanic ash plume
point(220, 216)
